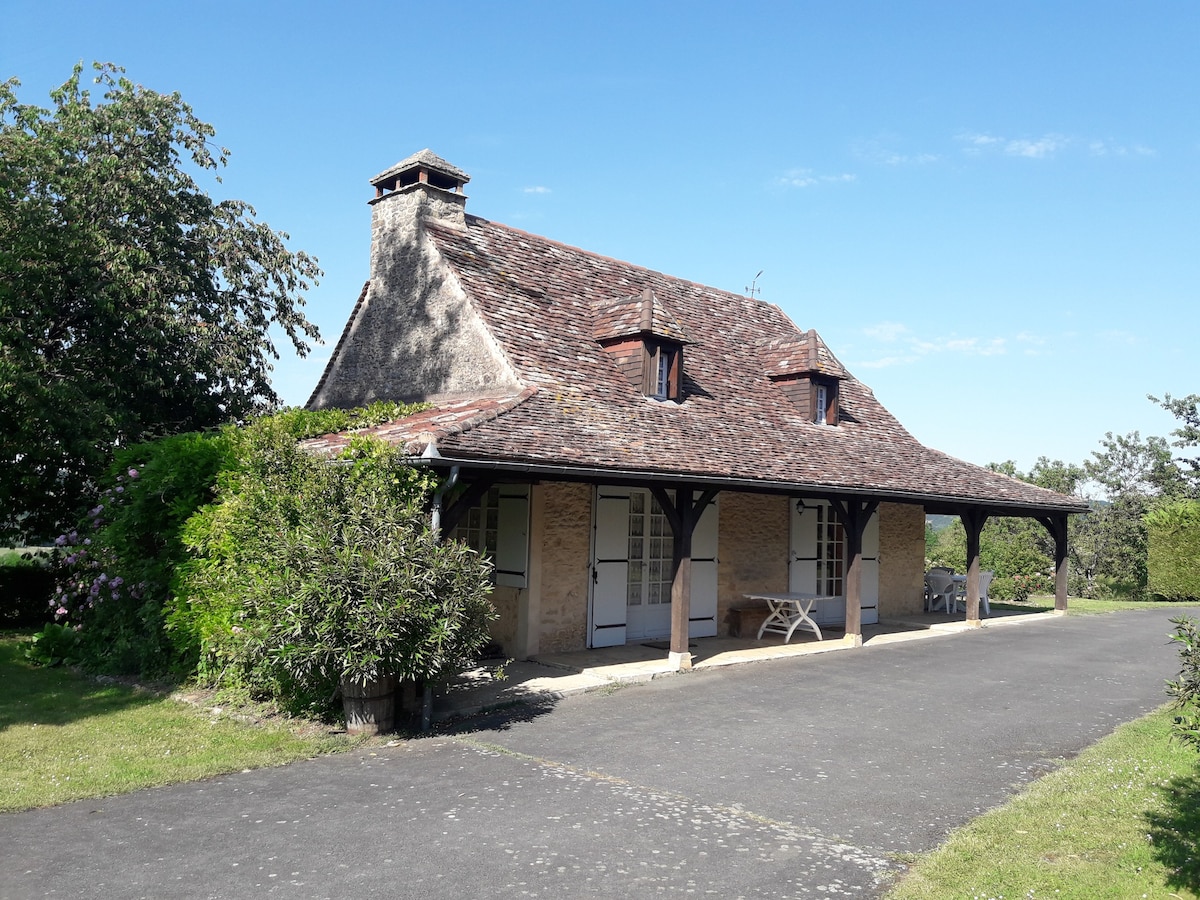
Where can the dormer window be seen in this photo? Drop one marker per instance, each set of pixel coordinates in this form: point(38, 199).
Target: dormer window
point(645, 341)
point(807, 373)
point(824, 394)
point(663, 364)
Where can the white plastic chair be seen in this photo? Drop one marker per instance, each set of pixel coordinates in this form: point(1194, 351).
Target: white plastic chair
point(941, 588)
point(985, 582)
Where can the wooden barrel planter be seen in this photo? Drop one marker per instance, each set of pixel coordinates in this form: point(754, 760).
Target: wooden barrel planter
point(370, 706)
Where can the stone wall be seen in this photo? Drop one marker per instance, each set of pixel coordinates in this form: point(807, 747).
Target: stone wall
point(503, 629)
point(564, 566)
point(901, 559)
point(752, 550)
point(415, 335)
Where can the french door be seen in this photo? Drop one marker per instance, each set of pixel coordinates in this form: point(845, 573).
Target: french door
point(631, 570)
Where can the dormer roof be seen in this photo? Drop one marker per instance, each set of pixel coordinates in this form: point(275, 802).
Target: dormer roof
point(641, 314)
point(800, 354)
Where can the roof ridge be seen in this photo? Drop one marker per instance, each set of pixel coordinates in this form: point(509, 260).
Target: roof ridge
point(441, 226)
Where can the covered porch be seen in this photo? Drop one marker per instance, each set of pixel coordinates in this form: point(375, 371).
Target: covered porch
point(548, 677)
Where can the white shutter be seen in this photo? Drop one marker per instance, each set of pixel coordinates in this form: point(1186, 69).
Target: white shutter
point(802, 560)
point(702, 615)
point(869, 588)
point(610, 568)
point(512, 536)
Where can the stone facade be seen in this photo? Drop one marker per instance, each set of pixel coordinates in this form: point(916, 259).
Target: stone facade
point(752, 551)
point(564, 562)
point(901, 559)
point(415, 335)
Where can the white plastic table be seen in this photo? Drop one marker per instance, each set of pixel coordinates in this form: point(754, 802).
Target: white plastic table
point(789, 611)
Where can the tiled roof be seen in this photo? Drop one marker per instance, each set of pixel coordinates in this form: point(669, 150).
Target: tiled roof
point(641, 313)
point(416, 432)
point(800, 353)
point(735, 422)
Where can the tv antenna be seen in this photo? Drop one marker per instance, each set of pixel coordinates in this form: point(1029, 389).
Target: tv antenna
point(754, 289)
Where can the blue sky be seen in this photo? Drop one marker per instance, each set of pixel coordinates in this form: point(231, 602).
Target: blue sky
point(989, 211)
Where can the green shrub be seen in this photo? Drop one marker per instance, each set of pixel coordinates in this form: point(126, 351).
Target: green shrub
point(308, 570)
point(54, 645)
point(116, 574)
point(1173, 550)
point(1186, 691)
point(1020, 588)
point(118, 566)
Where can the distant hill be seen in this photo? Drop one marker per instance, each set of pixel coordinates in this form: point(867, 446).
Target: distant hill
point(940, 522)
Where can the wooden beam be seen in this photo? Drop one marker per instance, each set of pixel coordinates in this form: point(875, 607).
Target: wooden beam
point(682, 515)
point(854, 515)
point(1057, 526)
point(973, 521)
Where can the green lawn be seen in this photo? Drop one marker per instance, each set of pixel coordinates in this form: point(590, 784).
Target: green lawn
point(1081, 606)
point(1120, 821)
point(65, 737)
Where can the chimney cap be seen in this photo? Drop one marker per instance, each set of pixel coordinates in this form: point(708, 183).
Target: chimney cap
point(423, 166)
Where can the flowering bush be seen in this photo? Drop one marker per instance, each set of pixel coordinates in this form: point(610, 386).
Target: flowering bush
point(116, 567)
point(1019, 588)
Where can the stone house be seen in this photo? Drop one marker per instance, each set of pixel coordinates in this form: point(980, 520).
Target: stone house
point(636, 451)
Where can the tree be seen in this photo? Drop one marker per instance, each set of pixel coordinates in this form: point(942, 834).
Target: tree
point(1110, 542)
point(132, 304)
point(1187, 410)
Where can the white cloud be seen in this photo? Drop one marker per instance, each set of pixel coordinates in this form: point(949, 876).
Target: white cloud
point(1109, 148)
point(1039, 149)
point(885, 362)
point(1119, 336)
point(977, 143)
point(537, 189)
point(887, 331)
point(1046, 146)
point(881, 151)
point(914, 348)
point(802, 178)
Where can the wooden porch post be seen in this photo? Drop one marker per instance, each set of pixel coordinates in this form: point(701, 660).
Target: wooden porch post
point(854, 516)
point(682, 515)
point(973, 521)
point(1057, 526)
point(681, 579)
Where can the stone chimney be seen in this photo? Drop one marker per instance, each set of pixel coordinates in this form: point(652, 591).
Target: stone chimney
point(422, 186)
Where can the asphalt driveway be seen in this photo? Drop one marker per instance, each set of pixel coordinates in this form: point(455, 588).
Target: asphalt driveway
point(792, 778)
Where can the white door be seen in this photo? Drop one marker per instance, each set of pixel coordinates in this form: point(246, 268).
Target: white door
point(648, 593)
point(631, 570)
point(610, 568)
point(817, 562)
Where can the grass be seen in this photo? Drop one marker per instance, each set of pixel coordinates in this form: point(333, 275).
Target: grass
point(66, 737)
point(1082, 606)
point(1120, 821)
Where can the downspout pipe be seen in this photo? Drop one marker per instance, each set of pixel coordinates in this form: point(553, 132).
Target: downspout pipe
point(435, 525)
point(435, 513)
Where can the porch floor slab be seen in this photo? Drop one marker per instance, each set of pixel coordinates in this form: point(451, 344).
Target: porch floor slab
point(549, 676)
